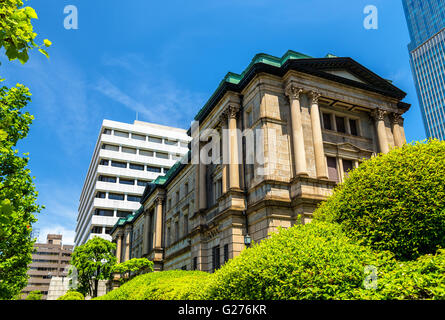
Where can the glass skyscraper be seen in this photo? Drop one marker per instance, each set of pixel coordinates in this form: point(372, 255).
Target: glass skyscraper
point(426, 25)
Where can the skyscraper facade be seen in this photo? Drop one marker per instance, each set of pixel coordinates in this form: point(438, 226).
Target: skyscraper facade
point(426, 25)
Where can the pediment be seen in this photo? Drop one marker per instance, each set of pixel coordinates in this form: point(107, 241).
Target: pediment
point(345, 74)
point(348, 147)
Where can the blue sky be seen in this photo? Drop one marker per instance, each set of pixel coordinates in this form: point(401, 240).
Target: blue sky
point(164, 60)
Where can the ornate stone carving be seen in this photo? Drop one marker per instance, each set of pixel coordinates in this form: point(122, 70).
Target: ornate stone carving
point(396, 118)
point(232, 111)
point(314, 95)
point(293, 92)
point(379, 114)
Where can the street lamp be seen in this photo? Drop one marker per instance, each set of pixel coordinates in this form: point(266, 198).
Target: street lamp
point(247, 240)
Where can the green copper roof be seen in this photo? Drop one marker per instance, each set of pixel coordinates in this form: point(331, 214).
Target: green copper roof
point(235, 78)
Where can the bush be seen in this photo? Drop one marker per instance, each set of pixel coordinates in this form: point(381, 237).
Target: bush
point(72, 295)
point(34, 295)
point(132, 268)
point(421, 279)
point(313, 261)
point(394, 202)
point(164, 285)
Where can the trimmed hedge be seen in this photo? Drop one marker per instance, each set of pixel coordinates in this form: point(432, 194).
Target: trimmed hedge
point(165, 285)
point(313, 261)
point(72, 295)
point(394, 202)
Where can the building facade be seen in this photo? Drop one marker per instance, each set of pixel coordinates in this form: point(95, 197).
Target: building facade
point(50, 259)
point(126, 157)
point(426, 25)
point(280, 136)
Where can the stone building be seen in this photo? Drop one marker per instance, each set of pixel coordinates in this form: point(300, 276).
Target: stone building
point(310, 120)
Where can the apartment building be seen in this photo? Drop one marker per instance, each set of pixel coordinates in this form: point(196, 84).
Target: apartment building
point(317, 118)
point(126, 157)
point(49, 260)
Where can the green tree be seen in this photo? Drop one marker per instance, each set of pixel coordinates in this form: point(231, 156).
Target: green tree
point(17, 191)
point(133, 267)
point(93, 261)
point(34, 295)
point(16, 31)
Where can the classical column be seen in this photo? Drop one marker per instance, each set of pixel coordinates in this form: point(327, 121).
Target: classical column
point(396, 120)
point(224, 152)
point(233, 138)
point(299, 153)
point(202, 185)
point(119, 247)
point(146, 240)
point(159, 223)
point(379, 118)
point(320, 161)
point(127, 243)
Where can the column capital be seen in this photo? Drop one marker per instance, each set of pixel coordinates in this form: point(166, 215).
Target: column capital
point(396, 118)
point(378, 114)
point(232, 111)
point(293, 91)
point(314, 95)
point(159, 200)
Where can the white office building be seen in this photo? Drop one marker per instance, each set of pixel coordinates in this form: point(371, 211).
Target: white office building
point(125, 159)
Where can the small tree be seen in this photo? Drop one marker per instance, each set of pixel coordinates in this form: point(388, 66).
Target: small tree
point(94, 261)
point(34, 295)
point(133, 267)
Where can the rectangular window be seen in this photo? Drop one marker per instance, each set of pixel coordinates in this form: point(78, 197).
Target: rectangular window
point(108, 230)
point(332, 168)
point(121, 134)
point(142, 183)
point(226, 253)
point(155, 140)
point(118, 164)
point(100, 195)
point(186, 225)
point(327, 121)
point(110, 147)
point(347, 166)
point(176, 231)
point(107, 131)
point(161, 155)
point(103, 213)
point(171, 142)
point(340, 122)
point(146, 153)
point(184, 268)
point(168, 237)
point(153, 169)
point(138, 137)
point(353, 127)
point(128, 150)
point(104, 162)
point(195, 263)
point(186, 188)
point(115, 196)
point(122, 214)
point(136, 166)
point(215, 258)
point(126, 181)
point(133, 198)
point(96, 230)
point(107, 179)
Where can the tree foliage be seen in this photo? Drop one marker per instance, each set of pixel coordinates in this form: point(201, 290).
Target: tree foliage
point(16, 31)
point(133, 267)
point(34, 295)
point(72, 295)
point(17, 193)
point(164, 285)
point(395, 202)
point(93, 261)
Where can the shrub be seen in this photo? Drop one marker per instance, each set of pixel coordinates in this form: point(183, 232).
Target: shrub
point(313, 261)
point(72, 295)
point(164, 285)
point(421, 279)
point(133, 267)
point(34, 295)
point(394, 202)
